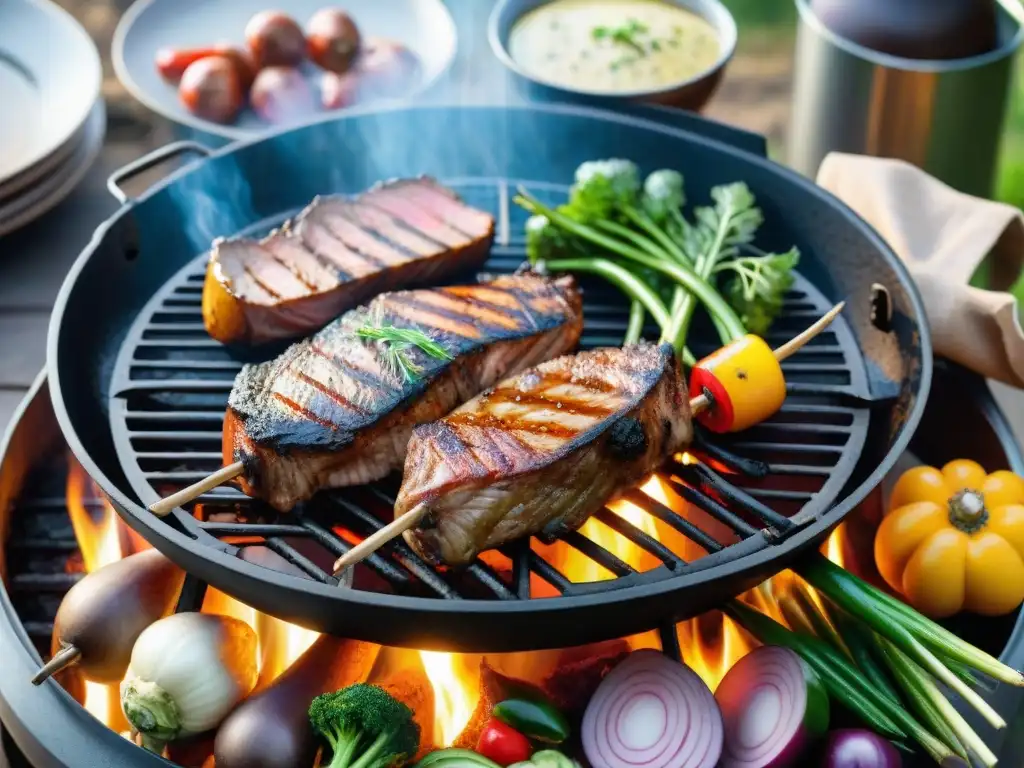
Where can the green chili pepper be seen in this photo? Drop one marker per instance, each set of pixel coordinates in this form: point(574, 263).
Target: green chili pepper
point(536, 719)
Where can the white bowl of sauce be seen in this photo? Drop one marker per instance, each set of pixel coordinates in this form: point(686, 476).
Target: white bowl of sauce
point(670, 52)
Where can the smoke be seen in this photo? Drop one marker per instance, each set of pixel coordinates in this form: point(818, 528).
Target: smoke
point(213, 200)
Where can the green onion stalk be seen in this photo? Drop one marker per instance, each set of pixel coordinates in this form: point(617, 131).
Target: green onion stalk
point(847, 685)
point(867, 630)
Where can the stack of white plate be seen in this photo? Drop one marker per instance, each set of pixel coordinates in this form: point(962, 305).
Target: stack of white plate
point(52, 119)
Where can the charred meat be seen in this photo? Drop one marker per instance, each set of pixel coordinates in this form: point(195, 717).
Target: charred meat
point(337, 253)
point(541, 452)
point(335, 410)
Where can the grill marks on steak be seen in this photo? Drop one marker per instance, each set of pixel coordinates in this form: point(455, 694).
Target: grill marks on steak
point(543, 451)
point(337, 253)
point(332, 410)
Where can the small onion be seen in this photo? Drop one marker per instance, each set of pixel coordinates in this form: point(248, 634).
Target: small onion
point(853, 748)
point(773, 706)
point(187, 673)
point(653, 712)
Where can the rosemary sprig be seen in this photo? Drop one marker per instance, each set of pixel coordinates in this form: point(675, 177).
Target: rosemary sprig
point(395, 343)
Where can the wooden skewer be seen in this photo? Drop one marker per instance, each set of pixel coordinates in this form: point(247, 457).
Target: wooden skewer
point(372, 543)
point(163, 507)
point(400, 525)
point(701, 403)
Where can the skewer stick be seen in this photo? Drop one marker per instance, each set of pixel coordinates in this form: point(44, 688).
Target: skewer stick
point(701, 403)
point(163, 507)
point(400, 525)
point(371, 544)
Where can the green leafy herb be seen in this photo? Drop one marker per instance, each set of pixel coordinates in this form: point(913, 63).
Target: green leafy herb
point(396, 343)
point(759, 286)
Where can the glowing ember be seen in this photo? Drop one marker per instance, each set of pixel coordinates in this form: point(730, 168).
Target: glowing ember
point(455, 696)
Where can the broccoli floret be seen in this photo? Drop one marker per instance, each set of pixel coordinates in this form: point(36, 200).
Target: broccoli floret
point(603, 190)
point(663, 196)
point(545, 241)
point(366, 727)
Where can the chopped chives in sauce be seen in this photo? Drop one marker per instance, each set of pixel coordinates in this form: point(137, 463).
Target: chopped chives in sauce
point(613, 45)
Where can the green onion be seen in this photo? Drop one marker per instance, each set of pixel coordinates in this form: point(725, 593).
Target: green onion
point(644, 222)
point(929, 702)
point(641, 242)
point(795, 616)
point(635, 328)
point(846, 684)
point(897, 621)
point(619, 276)
point(864, 649)
point(820, 619)
point(841, 680)
point(625, 281)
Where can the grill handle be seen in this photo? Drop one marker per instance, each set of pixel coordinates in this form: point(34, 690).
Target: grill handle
point(151, 160)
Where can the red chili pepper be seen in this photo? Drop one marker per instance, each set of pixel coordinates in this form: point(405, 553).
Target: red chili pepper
point(503, 744)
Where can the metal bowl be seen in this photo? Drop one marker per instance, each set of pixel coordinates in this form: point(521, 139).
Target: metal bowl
point(425, 27)
point(692, 93)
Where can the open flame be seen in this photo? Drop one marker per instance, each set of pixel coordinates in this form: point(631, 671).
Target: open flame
point(711, 643)
point(103, 538)
point(455, 694)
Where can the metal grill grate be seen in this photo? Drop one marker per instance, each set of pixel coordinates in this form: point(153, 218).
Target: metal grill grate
point(170, 387)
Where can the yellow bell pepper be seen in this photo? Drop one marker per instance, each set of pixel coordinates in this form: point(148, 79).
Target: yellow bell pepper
point(954, 540)
point(745, 381)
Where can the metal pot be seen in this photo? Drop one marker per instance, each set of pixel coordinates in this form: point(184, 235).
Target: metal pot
point(943, 116)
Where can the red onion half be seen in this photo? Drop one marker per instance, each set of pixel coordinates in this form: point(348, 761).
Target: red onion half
point(652, 712)
point(773, 705)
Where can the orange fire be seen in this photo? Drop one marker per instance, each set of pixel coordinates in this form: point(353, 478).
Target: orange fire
point(711, 643)
point(103, 539)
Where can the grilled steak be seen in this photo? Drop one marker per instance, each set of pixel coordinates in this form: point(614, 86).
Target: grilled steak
point(543, 451)
point(337, 253)
point(334, 410)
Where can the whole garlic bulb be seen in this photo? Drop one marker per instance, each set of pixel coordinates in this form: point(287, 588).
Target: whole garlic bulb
point(187, 672)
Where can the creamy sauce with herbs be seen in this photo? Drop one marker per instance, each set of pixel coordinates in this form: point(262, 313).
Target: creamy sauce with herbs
point(613, 45)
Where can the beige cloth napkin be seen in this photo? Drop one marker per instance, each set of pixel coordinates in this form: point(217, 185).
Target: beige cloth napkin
point(942, 236)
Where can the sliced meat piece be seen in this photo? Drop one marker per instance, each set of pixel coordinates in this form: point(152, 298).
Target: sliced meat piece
point(334, 410)
point(336, 254)
point(542, 452)
point(428, 206)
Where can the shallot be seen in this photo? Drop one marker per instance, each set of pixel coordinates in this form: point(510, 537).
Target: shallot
point(187, 673)
point(773, 706)
point(654, 712)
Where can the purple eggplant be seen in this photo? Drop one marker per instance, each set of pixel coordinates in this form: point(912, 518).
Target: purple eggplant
point(271, 728)
point(100, 618)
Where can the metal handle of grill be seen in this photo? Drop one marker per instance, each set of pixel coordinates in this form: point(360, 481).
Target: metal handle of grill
point(151, 160)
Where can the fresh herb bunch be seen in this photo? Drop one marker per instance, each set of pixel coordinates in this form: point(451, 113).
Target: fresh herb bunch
point(396, 344)
point(620, 227)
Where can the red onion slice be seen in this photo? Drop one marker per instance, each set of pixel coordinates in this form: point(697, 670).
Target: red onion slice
point(652, 712)
point(773, 705)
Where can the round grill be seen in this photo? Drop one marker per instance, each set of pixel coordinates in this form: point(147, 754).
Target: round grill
point(168, 394)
